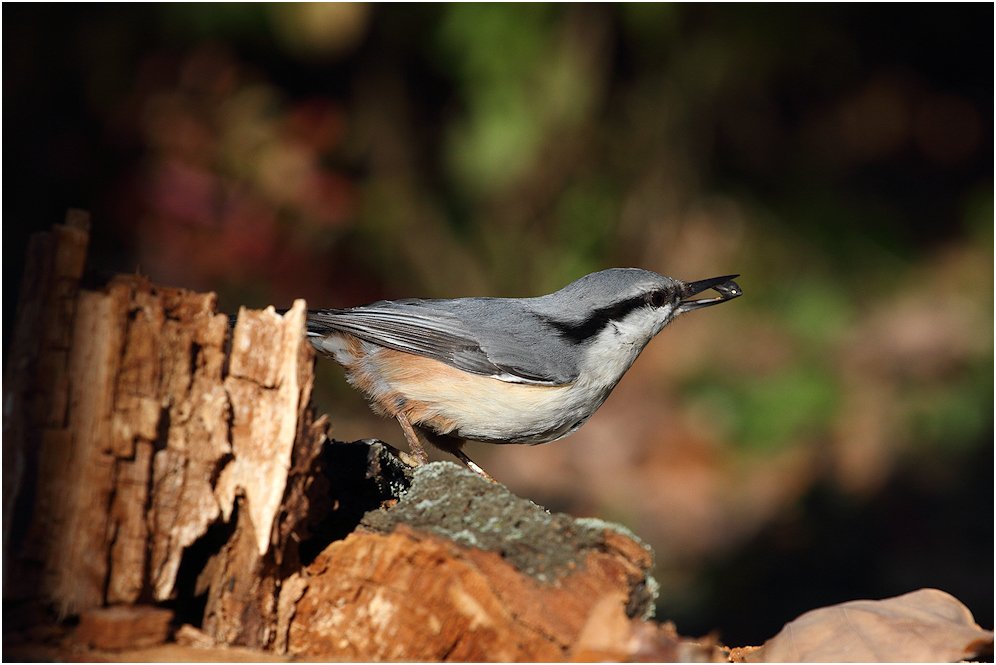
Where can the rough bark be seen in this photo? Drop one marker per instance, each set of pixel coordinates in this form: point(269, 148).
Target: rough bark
point(36, 380)
point(461, 569)
point(133, 427)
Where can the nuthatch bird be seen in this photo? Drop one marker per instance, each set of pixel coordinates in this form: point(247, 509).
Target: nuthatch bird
point(504, 370)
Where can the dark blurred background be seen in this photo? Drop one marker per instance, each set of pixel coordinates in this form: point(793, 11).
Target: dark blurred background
point(824, 438)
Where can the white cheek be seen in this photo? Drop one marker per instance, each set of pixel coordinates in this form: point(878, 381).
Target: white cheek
point(618, 345)
point(641, 325)
point(664, 316)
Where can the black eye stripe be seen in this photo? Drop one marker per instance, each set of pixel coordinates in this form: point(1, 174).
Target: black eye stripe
point(599, 318)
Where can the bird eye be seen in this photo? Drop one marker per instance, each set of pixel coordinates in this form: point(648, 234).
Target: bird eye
point(656, 298)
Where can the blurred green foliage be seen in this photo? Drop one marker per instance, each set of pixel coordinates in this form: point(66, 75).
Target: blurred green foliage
point(761, 414)
point(509, 101)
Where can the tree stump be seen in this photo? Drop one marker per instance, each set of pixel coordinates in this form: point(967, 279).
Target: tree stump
point(136, 426)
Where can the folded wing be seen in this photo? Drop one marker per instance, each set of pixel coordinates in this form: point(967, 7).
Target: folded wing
point(427, 328)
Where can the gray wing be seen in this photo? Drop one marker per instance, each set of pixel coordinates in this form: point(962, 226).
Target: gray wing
point(481, 341)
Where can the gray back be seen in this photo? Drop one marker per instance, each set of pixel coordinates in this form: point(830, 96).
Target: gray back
point(533, 340)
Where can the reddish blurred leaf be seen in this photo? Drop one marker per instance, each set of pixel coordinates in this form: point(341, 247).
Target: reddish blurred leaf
point(926, 625)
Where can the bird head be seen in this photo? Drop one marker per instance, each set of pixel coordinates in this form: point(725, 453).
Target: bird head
point(631, 304)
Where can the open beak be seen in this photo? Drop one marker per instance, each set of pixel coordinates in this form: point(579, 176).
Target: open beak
point(724, 286)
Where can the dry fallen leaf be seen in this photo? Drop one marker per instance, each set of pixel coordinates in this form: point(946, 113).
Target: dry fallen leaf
point(927, 625)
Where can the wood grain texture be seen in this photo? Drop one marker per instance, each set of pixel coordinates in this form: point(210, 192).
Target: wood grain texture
point(138, 430)
point(462, 570)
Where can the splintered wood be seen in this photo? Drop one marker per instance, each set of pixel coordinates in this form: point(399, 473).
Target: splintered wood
point(136, 431)
point(36, 391)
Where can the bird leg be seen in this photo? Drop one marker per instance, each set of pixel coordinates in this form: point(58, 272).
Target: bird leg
point(453, 445)
point(472, 465)
point(448, 443)
point(414, 443)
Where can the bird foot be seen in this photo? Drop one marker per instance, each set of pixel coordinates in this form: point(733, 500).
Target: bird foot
point(472, 465)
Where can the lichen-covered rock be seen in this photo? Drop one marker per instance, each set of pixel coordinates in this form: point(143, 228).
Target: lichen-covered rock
point(461, 569)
